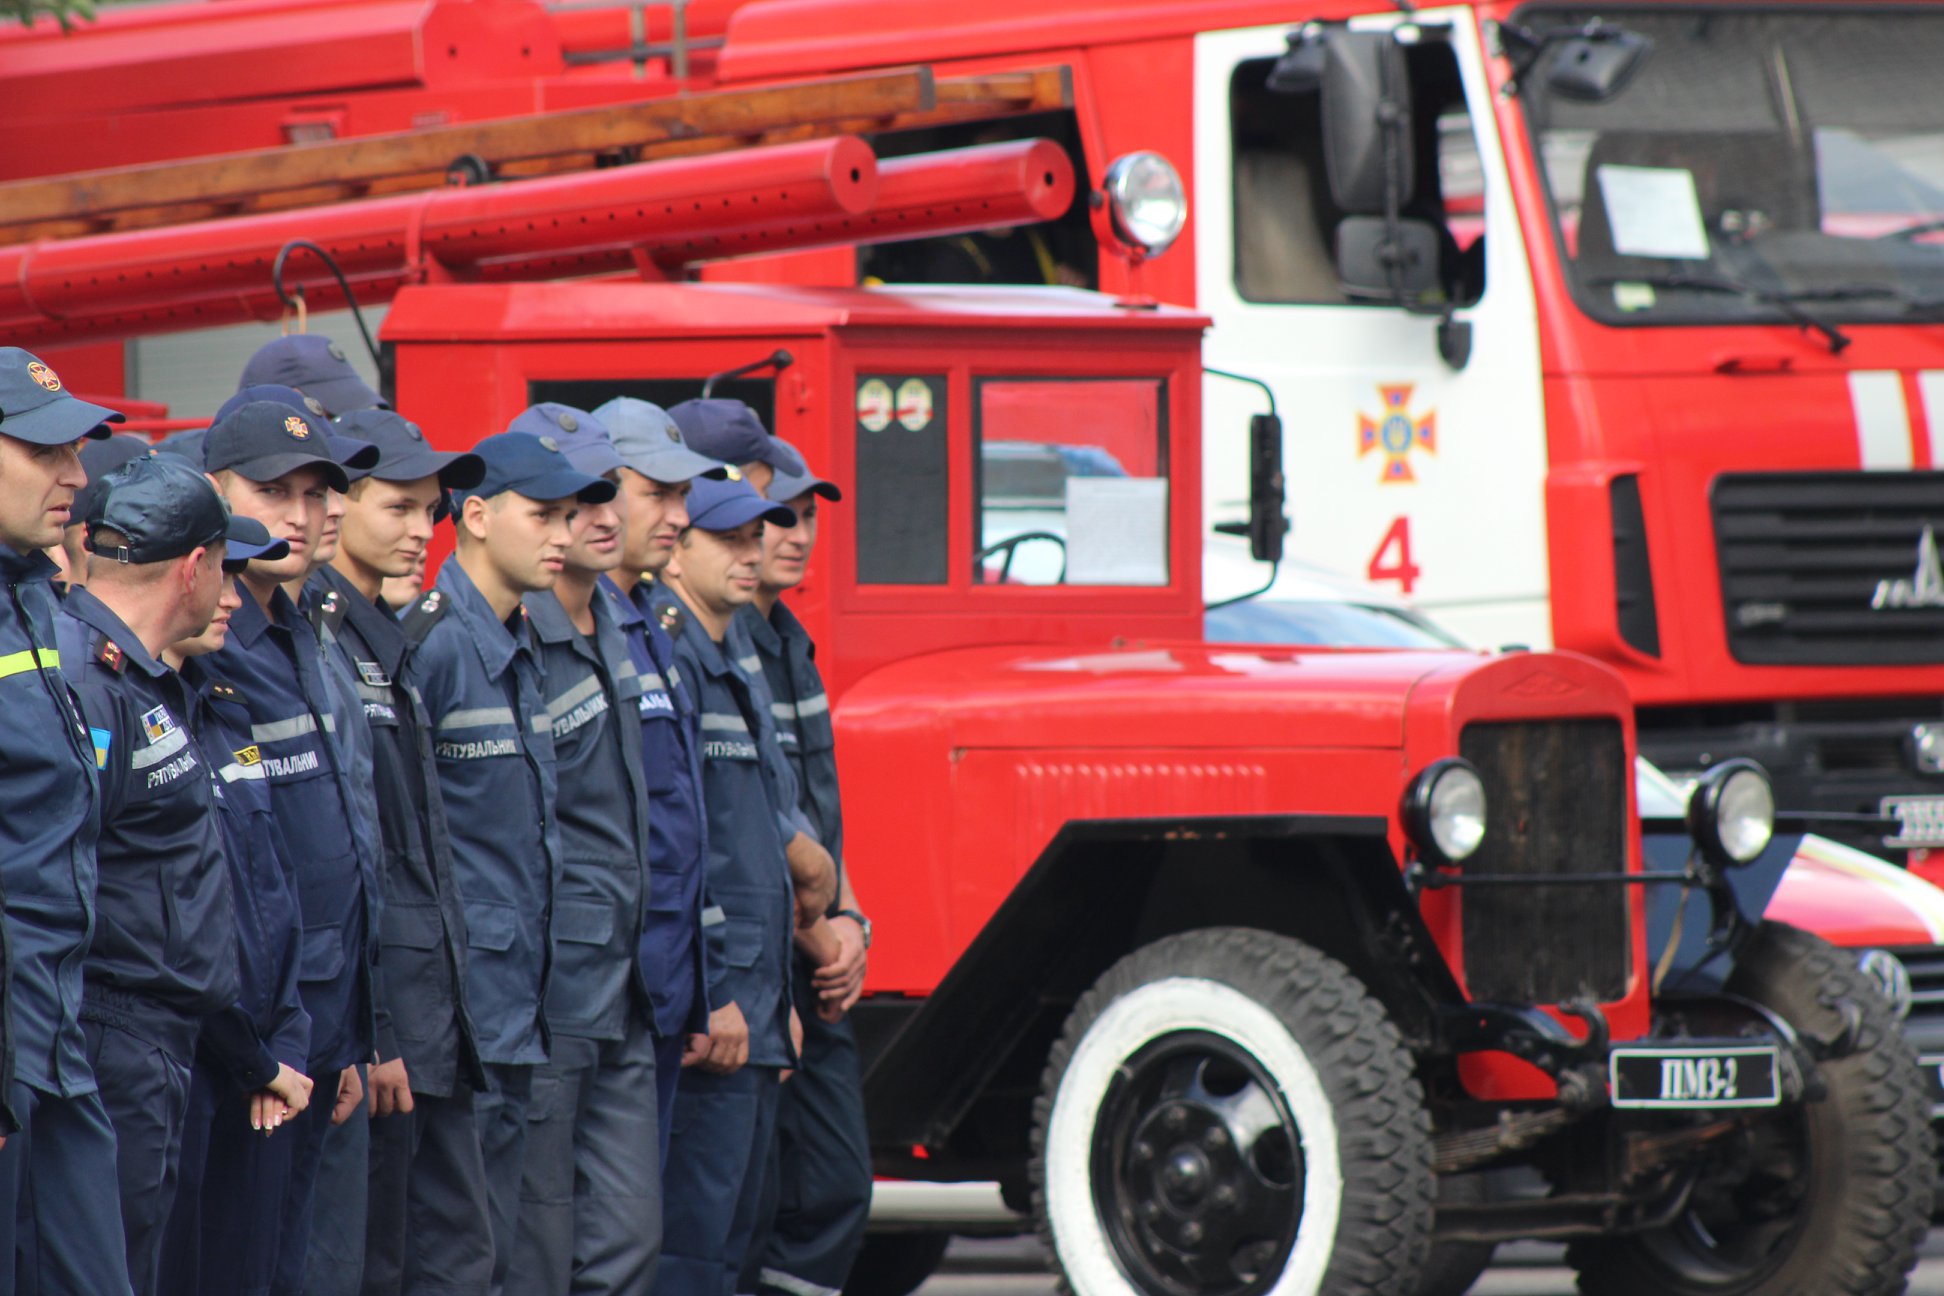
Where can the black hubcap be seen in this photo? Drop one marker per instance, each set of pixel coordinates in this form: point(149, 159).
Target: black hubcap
point(1744, 1211)
point(1198, 1169)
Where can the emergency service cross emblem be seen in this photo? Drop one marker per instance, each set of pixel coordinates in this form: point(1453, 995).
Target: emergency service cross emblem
point(1395, 433)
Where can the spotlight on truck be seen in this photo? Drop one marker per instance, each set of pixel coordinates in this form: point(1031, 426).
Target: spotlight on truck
point(1731, 812)
point(1444, 811)
point(1147, 204)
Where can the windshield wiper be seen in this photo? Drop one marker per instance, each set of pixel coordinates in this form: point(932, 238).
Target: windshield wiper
point(1782, 301)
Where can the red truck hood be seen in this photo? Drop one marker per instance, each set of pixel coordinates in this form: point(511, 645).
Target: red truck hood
point(1856, 900)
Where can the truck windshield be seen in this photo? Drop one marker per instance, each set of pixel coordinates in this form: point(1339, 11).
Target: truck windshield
point(1759, 165)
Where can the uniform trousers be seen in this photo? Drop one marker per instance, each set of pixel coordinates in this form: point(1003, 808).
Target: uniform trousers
point(501, 1117)
point(308, 1132)
point(226, 1227)
point(668, 1076)
point(591, 1208)
point(429, 1232)
point(145, 1092)
point(819, 1195)
point(334, 1261)
point(60, 1228)
point(725, 1127)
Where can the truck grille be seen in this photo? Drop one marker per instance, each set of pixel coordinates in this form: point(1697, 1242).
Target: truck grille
point(1556, 798)
point(1830, 568)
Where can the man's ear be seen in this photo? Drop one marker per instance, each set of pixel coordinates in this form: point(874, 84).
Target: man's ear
point(472, 518)
point(189, 568)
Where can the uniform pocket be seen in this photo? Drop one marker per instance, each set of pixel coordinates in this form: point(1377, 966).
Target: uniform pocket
point(323, 953)
point(412, 926)
point(742, 942)
point(491, 927)
point(583, 923)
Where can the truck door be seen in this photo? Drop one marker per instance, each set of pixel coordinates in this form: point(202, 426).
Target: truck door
point(1417, 473)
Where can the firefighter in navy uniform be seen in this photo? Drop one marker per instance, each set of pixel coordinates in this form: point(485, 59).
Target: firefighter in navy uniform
point(821, 1182)
point(591, 1212)
point(248, 1078)
point(428, 1225)
point(57, 1224)
point(475, 665)
point(164, 951)
point(657, 467)
point(725, 1114)
point(273, 463)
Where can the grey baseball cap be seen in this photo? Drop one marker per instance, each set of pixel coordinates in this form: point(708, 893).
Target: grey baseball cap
point(797, 479)
point(649, 442)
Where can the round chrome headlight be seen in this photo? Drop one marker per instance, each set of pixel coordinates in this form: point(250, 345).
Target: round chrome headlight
point(1444, 810)
point(1146, 201)
point(1732, 812)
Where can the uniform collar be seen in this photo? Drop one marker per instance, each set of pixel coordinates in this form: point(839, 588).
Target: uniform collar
point(17, 568)
point(249, 622)
point(377, 630)
point(548, 617)
point(88, 609)
point(497, 645)
point(761, 633)
point(627, 612)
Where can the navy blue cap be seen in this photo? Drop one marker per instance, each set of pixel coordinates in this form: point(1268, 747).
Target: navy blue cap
point(163, 508)
point(582, 437)
point(797, 479)
point(405, 455)
point(726, 430)
point(356, 457)
point(186, 444)
point(98, 459)
point(316, 366)
point(34, 407)
point(266, 439)
point(249, 539)
point(270, 392)
point(649, 442)
point(534, 467)
point(726, 504)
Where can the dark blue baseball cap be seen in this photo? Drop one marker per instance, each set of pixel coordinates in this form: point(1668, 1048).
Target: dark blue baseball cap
point(788, 483)
point(649, 442)
point(316, 366)
point(581, 436)
point(187, 444)
point(534, 467)
point(263, 440)
point(34, 407)
point(727, 431)
point(98, 459)
point(163, 508)
point(271, 392)
point(726, 504)
point(405, 455)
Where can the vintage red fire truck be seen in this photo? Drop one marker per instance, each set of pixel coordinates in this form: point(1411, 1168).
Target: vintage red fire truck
point(1648, 374)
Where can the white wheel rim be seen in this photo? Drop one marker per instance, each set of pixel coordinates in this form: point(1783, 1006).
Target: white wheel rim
point(1130, 1022)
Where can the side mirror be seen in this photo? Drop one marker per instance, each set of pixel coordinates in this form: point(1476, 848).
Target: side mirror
point(1377, 261)
point(1594, 68)
point(1366, 96)
point(1266, 525)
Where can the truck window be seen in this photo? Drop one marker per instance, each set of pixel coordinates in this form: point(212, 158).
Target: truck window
point(1754, 155)
point(1072, 482)
point(1285, 220)
point(903, 479)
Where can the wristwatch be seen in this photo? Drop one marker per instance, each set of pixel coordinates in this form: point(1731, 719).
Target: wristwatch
point(863, 923)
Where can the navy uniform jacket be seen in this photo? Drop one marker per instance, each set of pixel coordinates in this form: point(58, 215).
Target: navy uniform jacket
point(749, 879)
point(164, 949)
point(49, 816)
point(275, 664)
point(267, 1024)
point(672, 956)
point(593, 696)
point(422, 1011)
point(349, 735)
point(481, 683)
point(801, 710)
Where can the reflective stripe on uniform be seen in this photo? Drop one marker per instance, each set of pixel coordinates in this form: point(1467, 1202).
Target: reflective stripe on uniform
point(573, 697)
point(724, 723)
point(713, 916)
point(237, 770)
point(751, 665)
point(16, 662)
point(813, 705)
point(283, 730)
point(476, 718)
point(159, 750)
point(652, 683)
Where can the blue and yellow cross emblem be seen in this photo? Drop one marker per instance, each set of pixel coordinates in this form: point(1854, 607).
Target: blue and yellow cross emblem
point(1396, 433)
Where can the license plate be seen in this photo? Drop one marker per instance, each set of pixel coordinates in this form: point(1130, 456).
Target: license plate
point(1687, 1078)
point(1932, 1067)
point(1920, 820)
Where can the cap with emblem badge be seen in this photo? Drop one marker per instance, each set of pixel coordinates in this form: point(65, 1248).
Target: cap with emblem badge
point(729, 431)
point(648, 441)
point(356, 457)
point(266, 439)
point(788, 483)
point(36, 408)
point(519, 462)
point(581, 436)
point(725, 505)
point(405, 455)
point(160, 507)
point(316, 366)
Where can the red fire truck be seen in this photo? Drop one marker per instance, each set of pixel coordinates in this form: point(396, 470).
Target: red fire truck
point(1602, 326)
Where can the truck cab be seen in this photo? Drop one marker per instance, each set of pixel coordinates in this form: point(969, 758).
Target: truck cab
point(1240, 967)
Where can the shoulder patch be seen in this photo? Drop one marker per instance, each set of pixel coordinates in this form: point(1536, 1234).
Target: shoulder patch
point(418, 620)
point(251, 755)
point(328, 612)
point(109, 654)
point(103, 740)
point(227, 692)
point(670, 619)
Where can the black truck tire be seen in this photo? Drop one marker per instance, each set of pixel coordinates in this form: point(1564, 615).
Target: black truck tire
point(1838, 1201)
point(1230, 1111)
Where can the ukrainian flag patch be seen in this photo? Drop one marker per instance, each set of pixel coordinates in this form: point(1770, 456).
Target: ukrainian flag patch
point(103, 740)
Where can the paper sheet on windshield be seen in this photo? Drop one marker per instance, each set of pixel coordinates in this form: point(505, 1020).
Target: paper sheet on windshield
point(1653, 212)
point(1117, 530)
